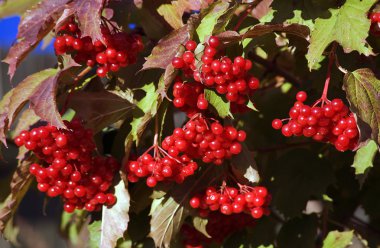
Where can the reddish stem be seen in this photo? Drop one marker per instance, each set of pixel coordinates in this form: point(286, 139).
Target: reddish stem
point(241, 19)
point(324, 98)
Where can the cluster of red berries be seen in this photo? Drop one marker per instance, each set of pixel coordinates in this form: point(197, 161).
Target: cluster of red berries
point(331, 122)
point(212, 143)
point(375, 21)
point(231, 200)
point(228, 77)
point(219, 227)
point(189, 97)
point(68, 167)
point(161, 167)
point(120, 49)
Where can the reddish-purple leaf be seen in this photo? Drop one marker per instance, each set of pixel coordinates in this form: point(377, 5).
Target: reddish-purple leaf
point(294, 29)
point(40, 90)
point(34, 26)
point(163, 53)
point(263, 29)
point(88, 14)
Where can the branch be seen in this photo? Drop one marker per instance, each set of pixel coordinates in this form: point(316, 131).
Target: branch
point(271, 66)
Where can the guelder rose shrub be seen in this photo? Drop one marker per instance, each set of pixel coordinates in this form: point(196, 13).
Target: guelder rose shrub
point(197, 123)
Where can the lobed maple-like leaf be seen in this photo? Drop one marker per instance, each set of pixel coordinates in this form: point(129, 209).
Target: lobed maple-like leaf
point(40, 90)
point(34, 26)
point(348, 25)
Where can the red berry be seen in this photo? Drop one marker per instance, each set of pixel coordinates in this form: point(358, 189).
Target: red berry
point(277, 124)
point(178, 63)
point(214, 42)
point(301, 96)
point(191, 45)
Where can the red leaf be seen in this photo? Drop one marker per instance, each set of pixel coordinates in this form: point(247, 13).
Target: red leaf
point(35, 25)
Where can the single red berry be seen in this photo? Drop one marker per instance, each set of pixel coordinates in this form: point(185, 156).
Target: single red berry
point(195, 202)
point(301, 96)
point(277, 124)
point(191, 45)
point(178, 63)
point(257, 212)
point(214, 42)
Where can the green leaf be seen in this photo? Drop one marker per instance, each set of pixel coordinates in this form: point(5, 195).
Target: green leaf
point(171, 15)
point(299, 175)
point(210, 19)
point(298, 232)
point(15, 7)
point(225, 19)
point(94, 229)
point(364, 157)
point(348, 25)
point(250, 105)
point(115, 219)
point(244, 166)
point(147, 106)
point(362, 88)
point(336, 239)
point(200, 224)
point(221, 105)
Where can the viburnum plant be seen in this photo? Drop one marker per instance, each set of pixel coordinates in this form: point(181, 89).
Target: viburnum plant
point(199, 123)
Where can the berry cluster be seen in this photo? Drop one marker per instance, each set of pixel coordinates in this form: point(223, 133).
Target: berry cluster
point(228, 77)
point(68, 167)
point(120, 49)
point(375, 21)
point(189, 97)
point(331, 122)
point(161, 167)
point(219, 227)
point(230, 200)
point(211, 143)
